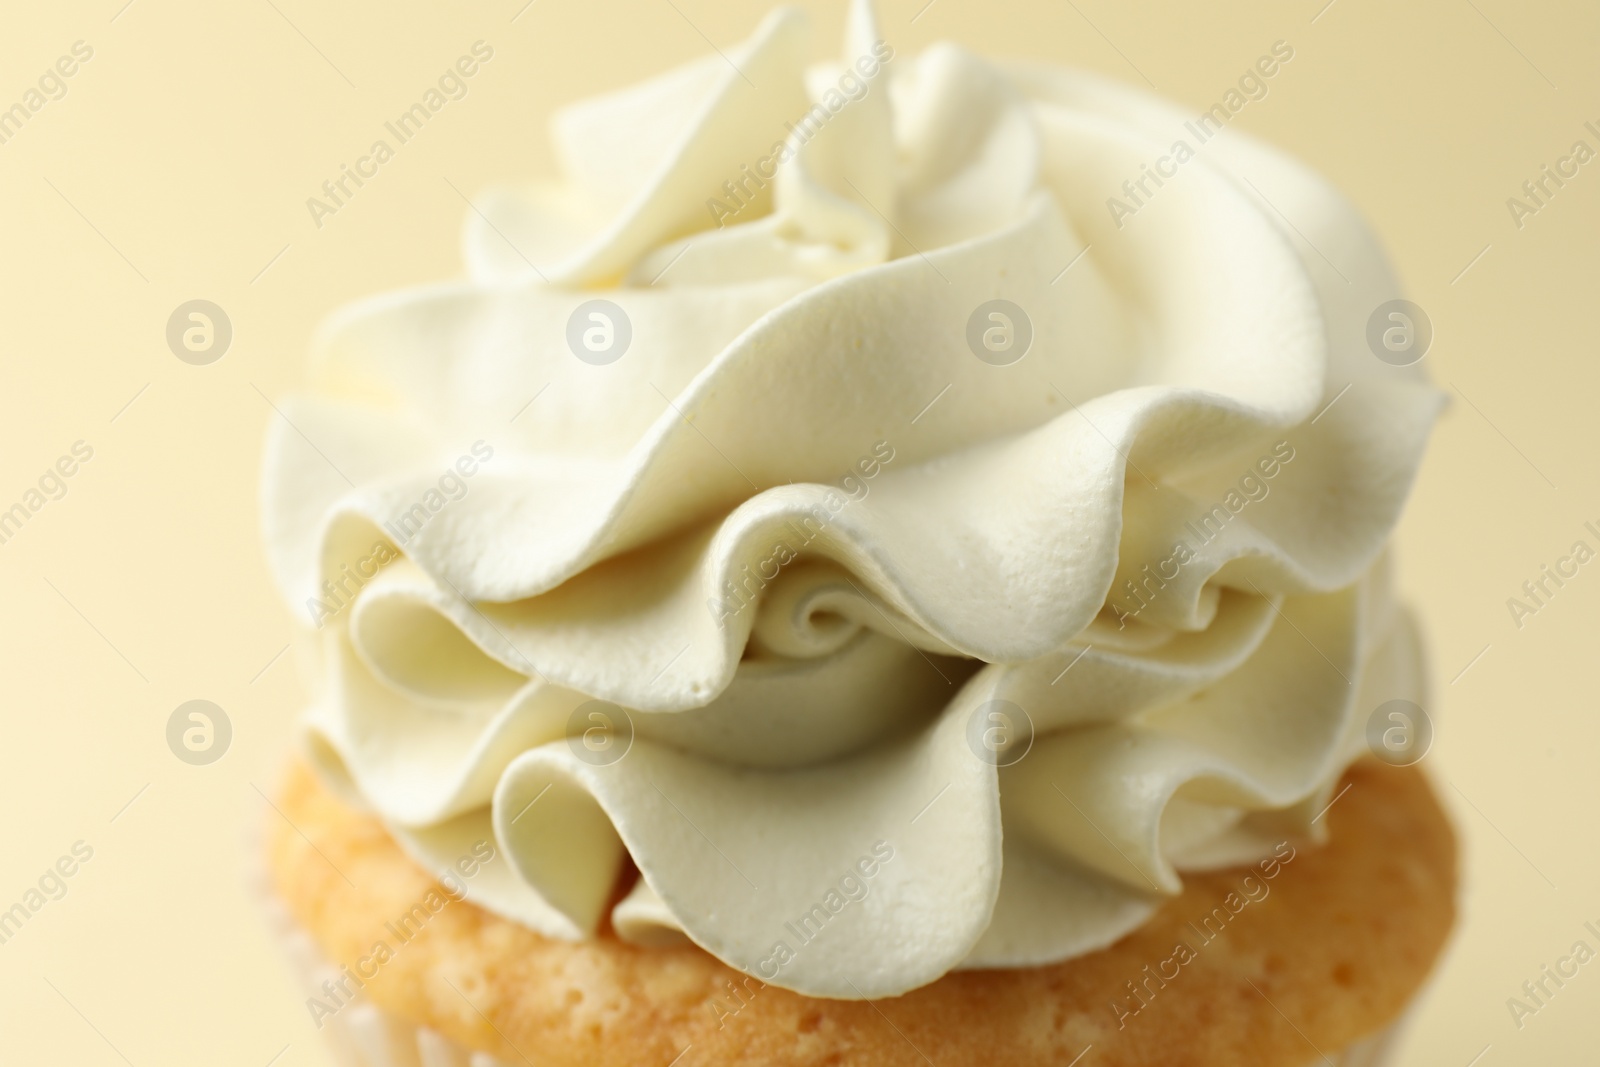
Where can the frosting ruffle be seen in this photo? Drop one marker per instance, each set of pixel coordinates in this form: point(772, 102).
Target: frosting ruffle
point(912, 661)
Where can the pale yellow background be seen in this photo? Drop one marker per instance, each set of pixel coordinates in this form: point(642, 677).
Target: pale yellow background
point(191, 142)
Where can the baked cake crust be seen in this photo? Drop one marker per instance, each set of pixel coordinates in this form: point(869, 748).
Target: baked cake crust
point(1280, 963)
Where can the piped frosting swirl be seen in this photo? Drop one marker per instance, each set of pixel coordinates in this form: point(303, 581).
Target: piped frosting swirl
point(906, 658)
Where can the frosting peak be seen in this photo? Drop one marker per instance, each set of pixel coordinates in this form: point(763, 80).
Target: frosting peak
point(820, 480)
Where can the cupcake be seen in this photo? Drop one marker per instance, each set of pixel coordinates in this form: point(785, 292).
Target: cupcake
point(883, 562)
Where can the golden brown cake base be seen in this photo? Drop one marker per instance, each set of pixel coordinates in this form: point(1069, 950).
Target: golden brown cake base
point(1347, 934)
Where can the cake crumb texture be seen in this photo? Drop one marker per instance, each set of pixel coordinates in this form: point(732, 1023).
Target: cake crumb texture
point(1327, 951)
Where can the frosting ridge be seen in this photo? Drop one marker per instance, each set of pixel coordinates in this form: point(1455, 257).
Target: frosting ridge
point(802, 584)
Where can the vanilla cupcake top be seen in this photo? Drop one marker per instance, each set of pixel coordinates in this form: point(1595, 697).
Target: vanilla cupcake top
point(913, 507)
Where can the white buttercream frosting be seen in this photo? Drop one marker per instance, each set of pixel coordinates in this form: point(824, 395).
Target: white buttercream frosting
point(805, 543)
